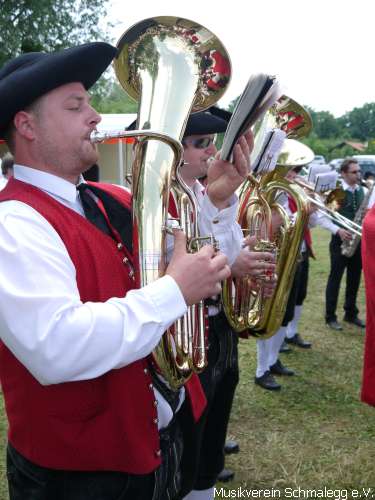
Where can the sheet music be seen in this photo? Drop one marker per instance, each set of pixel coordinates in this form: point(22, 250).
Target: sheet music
point(326, 181)
point(260, 93)
point(315, 170)
point(268, 155)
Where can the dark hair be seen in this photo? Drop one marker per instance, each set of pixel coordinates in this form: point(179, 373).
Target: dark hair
point(8, 137)
point(7, 162)
point(9, 132)
point(297, 169)
point(344, 167)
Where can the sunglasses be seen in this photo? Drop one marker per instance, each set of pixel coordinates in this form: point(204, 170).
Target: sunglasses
point(203, 142)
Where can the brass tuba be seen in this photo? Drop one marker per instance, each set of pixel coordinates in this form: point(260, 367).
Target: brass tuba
point(244, 303)
point(173, 67)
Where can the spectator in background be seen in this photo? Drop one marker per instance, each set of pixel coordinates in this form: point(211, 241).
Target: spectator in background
point(354, 194)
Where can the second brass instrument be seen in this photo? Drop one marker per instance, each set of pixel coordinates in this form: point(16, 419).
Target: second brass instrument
point(244, 304)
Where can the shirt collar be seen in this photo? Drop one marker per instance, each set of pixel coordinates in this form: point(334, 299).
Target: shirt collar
point(52, 184)
point(346, 186)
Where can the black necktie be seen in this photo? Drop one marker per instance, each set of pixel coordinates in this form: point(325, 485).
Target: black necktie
point(92, 210)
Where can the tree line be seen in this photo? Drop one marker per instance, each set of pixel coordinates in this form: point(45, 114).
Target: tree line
point(34, 25)
point(330, 135)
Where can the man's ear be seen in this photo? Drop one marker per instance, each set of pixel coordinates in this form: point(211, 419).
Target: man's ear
point(24, 123)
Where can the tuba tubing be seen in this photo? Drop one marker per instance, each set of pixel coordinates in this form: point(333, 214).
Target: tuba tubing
point(172, 66)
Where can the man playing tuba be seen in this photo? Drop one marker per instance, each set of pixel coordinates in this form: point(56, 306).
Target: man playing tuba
point(85, 420)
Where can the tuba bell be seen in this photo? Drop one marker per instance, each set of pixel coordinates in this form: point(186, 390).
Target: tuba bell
point(172, 67)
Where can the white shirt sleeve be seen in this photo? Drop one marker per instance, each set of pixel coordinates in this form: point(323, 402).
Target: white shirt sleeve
point(43, 321)
point(222, 225)
point(322, 220)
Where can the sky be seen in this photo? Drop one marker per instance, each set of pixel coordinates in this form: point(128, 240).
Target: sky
point(322, 51)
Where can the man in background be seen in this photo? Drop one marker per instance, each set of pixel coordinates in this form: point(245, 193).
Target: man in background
point(354, 194)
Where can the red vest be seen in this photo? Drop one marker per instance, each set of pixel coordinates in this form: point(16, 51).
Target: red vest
point(307, 234)
point(368, 252)
point(106, 423)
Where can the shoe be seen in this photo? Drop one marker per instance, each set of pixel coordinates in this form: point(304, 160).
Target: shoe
point(298, 341)
point(267, 382)
point(279, 369)
point(225, 476)
point(285, 348)
point(356, 321)
point(231, 447)
point(334, 325)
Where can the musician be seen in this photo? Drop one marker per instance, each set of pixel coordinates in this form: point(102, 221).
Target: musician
point(85, 420)
point(203, 458)
point(354, 194)
point(268, 362)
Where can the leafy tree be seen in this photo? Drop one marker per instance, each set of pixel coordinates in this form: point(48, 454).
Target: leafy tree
point(324, 124)
point(360, 122)
point(34, 25)
point(113, 99)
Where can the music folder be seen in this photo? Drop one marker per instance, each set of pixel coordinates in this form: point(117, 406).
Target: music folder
point(260, 93)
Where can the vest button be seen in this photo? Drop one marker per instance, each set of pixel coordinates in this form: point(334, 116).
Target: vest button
point(155, 420)
point(125, 260)
point(145, 370)
point(119, 245)
point(158, 453)
point(150, 386)
point(155, 403)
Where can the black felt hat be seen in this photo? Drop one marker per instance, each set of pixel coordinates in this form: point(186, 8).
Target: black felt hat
point(207, 122)
point(29, 76)
point(212, 121)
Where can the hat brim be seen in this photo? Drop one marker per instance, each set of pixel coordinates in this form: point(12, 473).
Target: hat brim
point(213, 121)
point(205, 123)
point(28, 77)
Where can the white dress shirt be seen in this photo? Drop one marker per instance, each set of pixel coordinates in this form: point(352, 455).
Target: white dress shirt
point(3, 182)
point(326, 222)
point(221, 223)
point(42, 319)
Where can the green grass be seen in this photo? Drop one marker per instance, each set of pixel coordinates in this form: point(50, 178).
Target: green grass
point(315, 432)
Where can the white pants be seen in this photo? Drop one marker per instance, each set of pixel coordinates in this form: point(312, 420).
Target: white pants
point(268, 351)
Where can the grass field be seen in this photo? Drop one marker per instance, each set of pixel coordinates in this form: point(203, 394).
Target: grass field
point(314, 433)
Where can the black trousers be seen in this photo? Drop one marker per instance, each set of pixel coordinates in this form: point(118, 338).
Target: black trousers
point(298, 291)
point(203, 456)
point(28, 481)
point(339, 263)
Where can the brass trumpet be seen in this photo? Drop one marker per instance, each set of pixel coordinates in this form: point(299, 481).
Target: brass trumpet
point(328, 204)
